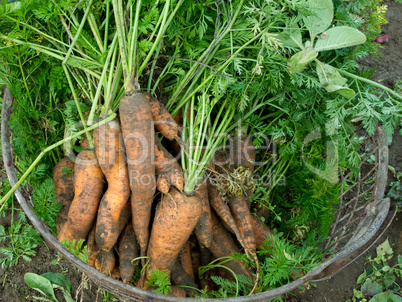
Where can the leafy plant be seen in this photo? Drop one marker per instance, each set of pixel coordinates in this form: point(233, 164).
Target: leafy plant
point(77, 249)
point(159, 282)
point(47, 282)
point(395, 190)
point(378, 282)
point(19, 241)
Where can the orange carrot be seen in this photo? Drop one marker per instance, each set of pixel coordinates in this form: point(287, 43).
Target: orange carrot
point(167, 165)
point(223, 245)
point(222, 209)
point(175, 218)
point(203, 229)
point(110, 153)
point(63, 182)
point(261, 231)
point(186, 260)
point(128, 251)
point(92, 249)
point(88, 189)
point(162, 183)
point(180, 277)
point(164, 122)
point(138, 133)
point(105, 262)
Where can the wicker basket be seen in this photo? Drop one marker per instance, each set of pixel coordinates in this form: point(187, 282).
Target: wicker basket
point(361, 218)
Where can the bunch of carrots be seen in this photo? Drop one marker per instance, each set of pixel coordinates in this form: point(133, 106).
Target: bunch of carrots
point(125, 198)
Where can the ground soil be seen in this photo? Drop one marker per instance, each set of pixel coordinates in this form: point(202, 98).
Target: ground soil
point(337, 289)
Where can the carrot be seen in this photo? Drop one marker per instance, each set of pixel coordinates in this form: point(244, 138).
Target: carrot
point(110, 153)
point(92, 248)
point(203, 229)
point(222, 209)
point(175, 218)
point(162, 183)
point(167, 165)
point(105, 262)
point(128, 251)
point(64, 185)
point(138, 133)
point(186, 260)
point(261, 231)
point(180, 277)
point(163, 121)
point(223, 245)
point(88, 189)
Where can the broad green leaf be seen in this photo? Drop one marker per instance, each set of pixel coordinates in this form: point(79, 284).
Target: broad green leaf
point(371, 288)
point(299, 60)
point(322, 13)
point(384, 249)
point(58, 279)
point(345, 91)
point(332, 80)
point(339, 37)
point(399, 259)
point(291, 36)
point(362, 277)
point(389, 279)
point(41, 284)
point(388, 296)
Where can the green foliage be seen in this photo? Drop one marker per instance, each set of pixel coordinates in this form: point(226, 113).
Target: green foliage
point(228, 289)
point(77, 248)
point(159, 281)
point(47, 282)
point(379, 281)
point(45, 206)
point(19, 242)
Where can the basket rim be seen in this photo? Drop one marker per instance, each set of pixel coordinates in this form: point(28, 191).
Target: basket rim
point(318, 273)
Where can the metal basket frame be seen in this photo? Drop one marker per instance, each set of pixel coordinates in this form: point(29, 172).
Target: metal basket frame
point(373, 218)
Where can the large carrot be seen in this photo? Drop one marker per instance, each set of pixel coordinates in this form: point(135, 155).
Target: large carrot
point(64, 185)
point(203, 229)
point(164, 122)
point(175, 218)
point(223, 245)
point(110, 153)
point(88, 189)
point(105, 262)
point(167, 166)
point(138, 133)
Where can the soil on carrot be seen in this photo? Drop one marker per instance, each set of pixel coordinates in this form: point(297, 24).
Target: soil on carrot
point(337, 289)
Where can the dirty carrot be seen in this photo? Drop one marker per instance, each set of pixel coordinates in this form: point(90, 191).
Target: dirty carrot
point(186, 260)
point(166, 164)
point(109, 150)
point(128, 250)
point(64, 185)
point(163, 121)
point(138, 133)
point(88, 189)
point(203, 229)
point(175, 218)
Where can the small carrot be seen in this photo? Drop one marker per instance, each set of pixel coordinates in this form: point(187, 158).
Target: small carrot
point(167, 165)
point(180, 277)
point(88, 189)
point(64, 185)
point(164, 122)
point(110, 153)
point(128, 250)
point(222, 209)
point(203, 229)
point(92, 249)
point(186, 260)
point(175, 218)
point(138, 134)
